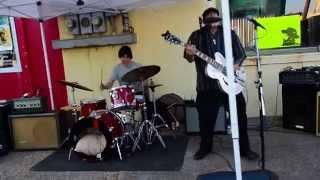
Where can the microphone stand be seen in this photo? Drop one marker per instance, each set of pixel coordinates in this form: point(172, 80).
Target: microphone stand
point(259, 86)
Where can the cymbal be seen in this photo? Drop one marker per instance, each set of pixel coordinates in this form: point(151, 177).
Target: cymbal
point(75, 85)
point(141, 73)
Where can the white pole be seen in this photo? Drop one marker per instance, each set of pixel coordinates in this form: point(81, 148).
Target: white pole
point(232, 96)
point(45, 53)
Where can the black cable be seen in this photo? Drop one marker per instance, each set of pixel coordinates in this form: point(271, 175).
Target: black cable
point(225, 159)
point(221, 155)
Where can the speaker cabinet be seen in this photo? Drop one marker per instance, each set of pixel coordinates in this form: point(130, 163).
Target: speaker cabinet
point(192, 120)
point(4, 128)
point(34, 131)
point(85, 23)
point(318, 115)
point(313, 30)
point(299, 107)
point(98, 22)
point(72, 22)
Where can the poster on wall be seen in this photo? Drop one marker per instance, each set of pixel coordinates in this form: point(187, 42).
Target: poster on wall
point(282, 32)
point(9, 54)
point(5, 34)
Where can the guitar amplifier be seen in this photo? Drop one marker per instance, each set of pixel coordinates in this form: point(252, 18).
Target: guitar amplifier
point(29, 105)
point(305, 75)
point(4, 129)
point(192, 119)
point(34, 131)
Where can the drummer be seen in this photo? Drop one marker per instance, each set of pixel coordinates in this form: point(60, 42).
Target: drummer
point(127, 64)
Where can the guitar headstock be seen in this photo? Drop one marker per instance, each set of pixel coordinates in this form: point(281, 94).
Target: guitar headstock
point(171, 38)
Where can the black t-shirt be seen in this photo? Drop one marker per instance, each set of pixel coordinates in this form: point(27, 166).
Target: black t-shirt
point(209, 43)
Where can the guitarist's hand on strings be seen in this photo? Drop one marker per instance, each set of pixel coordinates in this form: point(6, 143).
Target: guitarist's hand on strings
point(190, 49)
point(236, 67)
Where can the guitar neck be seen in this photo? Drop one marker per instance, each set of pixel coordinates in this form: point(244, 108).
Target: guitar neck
point(209, 60)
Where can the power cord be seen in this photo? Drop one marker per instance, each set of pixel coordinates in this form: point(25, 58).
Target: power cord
point(221, 155)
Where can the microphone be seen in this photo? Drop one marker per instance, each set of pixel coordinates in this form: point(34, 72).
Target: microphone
point(256, 23)
point(209, 20)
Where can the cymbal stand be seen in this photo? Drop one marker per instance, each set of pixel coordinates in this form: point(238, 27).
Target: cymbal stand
point(116, 141)
point(155, 114)
point(74, 106)
point(148, 126)
point(74, 114)
point(129, 130)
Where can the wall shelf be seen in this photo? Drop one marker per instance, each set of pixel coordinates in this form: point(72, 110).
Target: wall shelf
point(128, 38)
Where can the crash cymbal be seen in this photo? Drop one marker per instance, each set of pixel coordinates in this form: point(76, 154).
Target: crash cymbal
point(140, 74)
point(75, 85)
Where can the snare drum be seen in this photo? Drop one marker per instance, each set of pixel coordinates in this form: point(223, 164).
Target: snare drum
point(122, 98)
point(89, 105)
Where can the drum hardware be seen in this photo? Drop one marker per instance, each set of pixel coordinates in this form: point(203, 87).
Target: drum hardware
point(74, 105)
point(155, 114)
point(116, 142)
point(150, 129)
point(69, 154)
point(142, 74)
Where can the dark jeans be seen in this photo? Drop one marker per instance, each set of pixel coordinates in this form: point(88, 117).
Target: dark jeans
point(208, 104)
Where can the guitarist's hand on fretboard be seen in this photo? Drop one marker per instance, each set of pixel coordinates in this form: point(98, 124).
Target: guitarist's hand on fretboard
point(236, 67)
point(190, 49)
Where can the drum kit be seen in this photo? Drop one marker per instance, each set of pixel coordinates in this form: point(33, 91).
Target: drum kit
point(118, 123)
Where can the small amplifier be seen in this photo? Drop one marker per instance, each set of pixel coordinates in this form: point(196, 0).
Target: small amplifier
point(29, 105)
point(34, 131)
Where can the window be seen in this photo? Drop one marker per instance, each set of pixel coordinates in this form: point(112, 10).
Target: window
point(241, 8)
point(9, 53)
point(294, 32)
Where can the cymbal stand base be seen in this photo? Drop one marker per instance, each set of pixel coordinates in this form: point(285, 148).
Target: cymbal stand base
point(116, 141)
point(156, 115)
point(74, 115)
point(129, 136)
point(151, 129)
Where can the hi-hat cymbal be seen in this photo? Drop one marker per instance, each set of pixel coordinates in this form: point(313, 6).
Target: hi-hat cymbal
point(75, 85)
point(140, 74)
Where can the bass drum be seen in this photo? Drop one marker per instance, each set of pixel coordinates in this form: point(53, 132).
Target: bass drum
point(87, 126)
point(172, 108)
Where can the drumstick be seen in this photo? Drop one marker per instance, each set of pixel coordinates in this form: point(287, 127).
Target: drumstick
point(101, 74)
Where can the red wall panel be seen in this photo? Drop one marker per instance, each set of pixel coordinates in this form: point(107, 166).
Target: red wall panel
point(33, 75)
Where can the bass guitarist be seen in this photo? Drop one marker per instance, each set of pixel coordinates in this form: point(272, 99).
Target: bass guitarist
point(209, 40)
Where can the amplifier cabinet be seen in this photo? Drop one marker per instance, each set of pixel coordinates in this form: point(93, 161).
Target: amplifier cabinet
point(192, 120)
point(299, 107)
point(4, 128)
point(318, 115)
point(34, 131)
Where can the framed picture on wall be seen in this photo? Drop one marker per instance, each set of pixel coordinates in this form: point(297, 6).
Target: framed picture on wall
point(5, 34)
point(9, 52)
